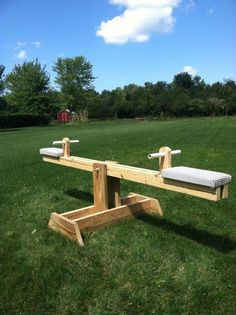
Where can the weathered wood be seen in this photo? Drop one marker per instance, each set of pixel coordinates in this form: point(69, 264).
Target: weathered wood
point(66, 227)
point(225, 192)
point(108, 207)
point(100, 192)
point(191, 189)
point(78, 213)
point(131, 198)
point(110, 216)
point(113, 187)
point(165, 162)
point(139, 175)
point(155, 206)
point(66, 147)
point(72, 222)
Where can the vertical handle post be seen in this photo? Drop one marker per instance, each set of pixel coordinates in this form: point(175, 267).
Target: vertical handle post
point(100, 192)
point(66, 147)
point(165, 161)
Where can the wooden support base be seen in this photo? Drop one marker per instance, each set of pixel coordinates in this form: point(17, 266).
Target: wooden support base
point(90, 218)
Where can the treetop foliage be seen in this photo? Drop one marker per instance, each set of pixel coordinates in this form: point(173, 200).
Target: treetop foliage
point(73, 73)
point(27, 86)
point(28, 91)
point(74, 76)
point(2, 79)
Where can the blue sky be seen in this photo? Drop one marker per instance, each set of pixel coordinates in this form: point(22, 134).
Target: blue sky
point(127, 41)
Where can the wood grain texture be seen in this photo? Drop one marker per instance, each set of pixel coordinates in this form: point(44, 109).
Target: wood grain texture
point(100, 192)
point(110, 216)
point(113, 186)
point(142, 176)
point(165, 162)
point(66, 227)
point(225, 192)
point(66, 147)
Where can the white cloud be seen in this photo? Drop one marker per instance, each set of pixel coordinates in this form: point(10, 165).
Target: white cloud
point(210, 12)
point(36, 44)
point(190, 70)
point(187, 5)
point(20, 45)
point(145, 3)
point(21, 55)
point(140, 19)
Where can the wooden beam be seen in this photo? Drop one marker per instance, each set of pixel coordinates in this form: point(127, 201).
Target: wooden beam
point(224, 191)
point(72, 222)
point(113, 186)
point(190, 189)
point(98, 220)
point(66, 227)
point(139, 175)
point(165, 161)
point(78, 213)
point(155, 206)
point(100, 186)
point(66, 147)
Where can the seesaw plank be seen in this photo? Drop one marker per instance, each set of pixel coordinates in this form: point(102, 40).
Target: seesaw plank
point(142, 176)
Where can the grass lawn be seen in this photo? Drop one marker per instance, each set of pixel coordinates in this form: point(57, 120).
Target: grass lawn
point(183, 263)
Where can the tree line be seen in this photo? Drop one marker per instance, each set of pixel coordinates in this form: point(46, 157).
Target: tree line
point(27, 89)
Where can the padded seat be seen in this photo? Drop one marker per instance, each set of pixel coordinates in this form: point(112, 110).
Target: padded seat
point(196, 176)
point(55, 152)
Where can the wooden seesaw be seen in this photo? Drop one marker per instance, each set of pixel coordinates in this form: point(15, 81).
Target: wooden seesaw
point(109, 207)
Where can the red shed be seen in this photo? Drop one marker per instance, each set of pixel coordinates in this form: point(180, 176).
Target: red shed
point(63, 116)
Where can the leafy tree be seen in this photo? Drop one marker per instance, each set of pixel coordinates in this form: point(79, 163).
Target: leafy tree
point(74, 77)
point(3, 102)
point(196, 107)
point(28, 85)
point(183, 80)
point(2, 79)
point(158, 93)
point(216, 106)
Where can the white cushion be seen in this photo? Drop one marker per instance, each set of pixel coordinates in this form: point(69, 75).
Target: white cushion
point(56, 152)
point(196, 176)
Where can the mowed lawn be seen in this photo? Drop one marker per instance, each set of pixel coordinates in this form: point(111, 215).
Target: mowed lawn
point(183, 263)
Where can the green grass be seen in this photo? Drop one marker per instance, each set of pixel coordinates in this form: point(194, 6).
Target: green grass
point(183, 263)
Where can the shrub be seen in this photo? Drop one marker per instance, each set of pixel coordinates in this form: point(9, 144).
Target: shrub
point(23, 120)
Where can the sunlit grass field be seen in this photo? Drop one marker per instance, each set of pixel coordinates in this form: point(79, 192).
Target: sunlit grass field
point(183, 263)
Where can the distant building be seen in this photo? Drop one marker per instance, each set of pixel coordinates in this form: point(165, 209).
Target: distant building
point(64, 116)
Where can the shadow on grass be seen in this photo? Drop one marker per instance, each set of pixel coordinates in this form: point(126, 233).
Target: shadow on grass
point(217, 242)
point(12, 129)
point(79, 194)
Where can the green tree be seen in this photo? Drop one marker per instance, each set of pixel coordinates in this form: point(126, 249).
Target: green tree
point(3, 102)
point(74, 77)
point(28, 85)
point(216, 106)
point(230, 96)
point(2, 79)
point(183, 80)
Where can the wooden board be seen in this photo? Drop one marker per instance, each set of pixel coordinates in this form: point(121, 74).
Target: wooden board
point(100, 186)
point(66, 227)
point(140, 175)
point(71, 223)
point(95, 221)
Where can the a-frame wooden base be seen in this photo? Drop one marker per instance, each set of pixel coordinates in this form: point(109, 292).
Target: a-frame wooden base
point(108, 208)
point(73, 222)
